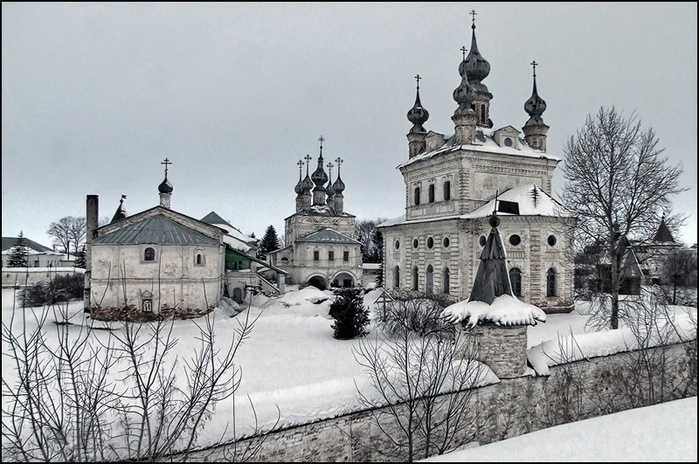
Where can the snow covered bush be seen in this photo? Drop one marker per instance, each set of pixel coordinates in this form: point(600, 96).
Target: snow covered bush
point(350, 314)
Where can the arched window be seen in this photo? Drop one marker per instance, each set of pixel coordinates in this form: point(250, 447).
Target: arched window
point(149, 254)
point(551, 282)
point(415, 277)
point(445, 281)
point(516, 281)
point(396, 277)
point(199, 259)
point(429, 280)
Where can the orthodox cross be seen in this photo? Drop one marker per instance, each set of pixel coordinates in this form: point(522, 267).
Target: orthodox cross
point(418, 81)
point(473, 15)
point(339, 162)
point(308, 162)
point(330, 171)
point(166, 162)
point(321, 140)
point(534, 65)
point(300, 164)
point(463, 52)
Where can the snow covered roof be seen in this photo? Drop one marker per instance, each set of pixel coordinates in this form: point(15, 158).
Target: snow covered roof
point(532, 202)
point(321, 210)
point(505, 310)
point(234, 237)
point(483, 142)
point(32, 246)
point(327, 235)
point(491, 299)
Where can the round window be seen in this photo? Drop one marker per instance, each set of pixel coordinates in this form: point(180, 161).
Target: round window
point(446, 242)
point(552, 240)
point(430, 242)
point(515, 240)
point(482, 240)
point(508, 142)
point(397, 244)
point(414, 243)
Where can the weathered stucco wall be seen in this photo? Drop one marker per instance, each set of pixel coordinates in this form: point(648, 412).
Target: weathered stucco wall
point(573, 391)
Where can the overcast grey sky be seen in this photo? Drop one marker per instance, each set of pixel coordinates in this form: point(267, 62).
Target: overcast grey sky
point(95, 96)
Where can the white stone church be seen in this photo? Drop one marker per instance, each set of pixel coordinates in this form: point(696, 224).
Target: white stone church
point(453, 183)
point(320, 249)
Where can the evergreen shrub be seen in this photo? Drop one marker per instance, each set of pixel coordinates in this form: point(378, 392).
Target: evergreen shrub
point(350, 314)
point(60, 288)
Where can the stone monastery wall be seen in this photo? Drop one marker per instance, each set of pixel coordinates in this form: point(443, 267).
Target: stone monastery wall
point(573, 391)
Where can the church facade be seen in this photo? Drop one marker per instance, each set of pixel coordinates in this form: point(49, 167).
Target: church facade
point(454, 183)
point(320, 249)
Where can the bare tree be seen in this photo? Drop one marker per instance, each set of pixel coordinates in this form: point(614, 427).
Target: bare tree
point(371, 239)
point(421, 391)
point(618, 185)
point(68, 231)
point(62, 403)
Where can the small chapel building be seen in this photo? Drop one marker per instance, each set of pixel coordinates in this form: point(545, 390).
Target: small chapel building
point(319, 248)
point(160, 263)
point(453, 183)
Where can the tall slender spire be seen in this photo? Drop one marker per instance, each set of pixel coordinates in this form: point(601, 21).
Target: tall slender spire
point(476, 66)
point(417, 114)
point(319, 178)
point(535, 105)
point(535, 129)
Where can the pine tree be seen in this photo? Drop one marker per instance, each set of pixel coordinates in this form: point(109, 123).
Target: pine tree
point(19, 253)
point(269, 242)
point(80, 258)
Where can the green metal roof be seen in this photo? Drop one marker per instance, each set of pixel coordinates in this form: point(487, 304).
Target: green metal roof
point(158, 230)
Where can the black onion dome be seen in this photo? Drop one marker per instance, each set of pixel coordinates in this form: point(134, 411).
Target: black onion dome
point(299, 187)
point(319, 177)
point(165, 186)
point(475, 66)
point(329, 189)
point(307, 185)
point(535, 107)
point(338, 186)
point(464, 95)
point(418, 115)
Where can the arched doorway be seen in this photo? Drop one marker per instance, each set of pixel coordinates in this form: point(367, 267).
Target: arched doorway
point(237, 295)
point(516, 281)
point(344, 280)
point(318, 282)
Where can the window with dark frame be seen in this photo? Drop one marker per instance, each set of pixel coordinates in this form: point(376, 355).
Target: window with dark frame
point(316, 256)
point(430, 193)
point(345, 255)
point(149, 254)
point(417, 196)
point(331, 256)
point(447, 190)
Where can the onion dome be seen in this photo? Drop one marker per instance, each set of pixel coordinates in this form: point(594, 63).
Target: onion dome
point(329, 188)
point(299, 186)
point(338, 186)
point(475, 66)
point(464, 94)
point(165, 186)
point(535, 106)
point(319, 177)
point(417, 114)
point(307, 183)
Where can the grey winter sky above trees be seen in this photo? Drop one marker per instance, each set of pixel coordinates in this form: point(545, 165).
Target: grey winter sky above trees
point(95, 96)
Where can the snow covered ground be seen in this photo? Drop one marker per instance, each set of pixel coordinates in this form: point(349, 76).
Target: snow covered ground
point(292, 365)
